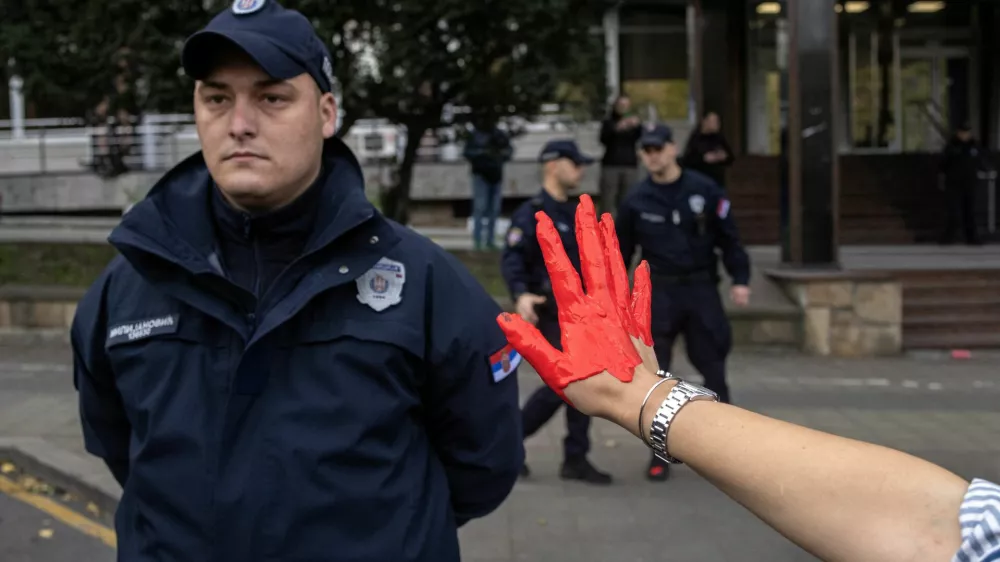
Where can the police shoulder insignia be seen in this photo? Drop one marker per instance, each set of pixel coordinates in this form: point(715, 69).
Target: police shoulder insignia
point(503, 362)
point(244, 7)
point(723, 209)
point(514, 236)
point(382, 286)
point(697, 203)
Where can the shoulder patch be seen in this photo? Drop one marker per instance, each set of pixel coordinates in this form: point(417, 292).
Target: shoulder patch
point(503, 362)
point(382, 286)
point(723, 208)
point(142, 329)
point(514, 236)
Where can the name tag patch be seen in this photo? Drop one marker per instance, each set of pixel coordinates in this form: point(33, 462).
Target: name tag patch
point(142, 329)
point(652, 218)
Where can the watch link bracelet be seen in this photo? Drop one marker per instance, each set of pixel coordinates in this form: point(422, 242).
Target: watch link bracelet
point(679, 396)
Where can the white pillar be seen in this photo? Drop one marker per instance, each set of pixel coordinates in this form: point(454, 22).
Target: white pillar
point(148, 128)
point(691, 23)
point(612, 53)
point(16, 107)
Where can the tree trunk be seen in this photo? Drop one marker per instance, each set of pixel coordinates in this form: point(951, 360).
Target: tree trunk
point(396, 199)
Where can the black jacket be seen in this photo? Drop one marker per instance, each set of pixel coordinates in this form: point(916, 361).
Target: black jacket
point(619, 146)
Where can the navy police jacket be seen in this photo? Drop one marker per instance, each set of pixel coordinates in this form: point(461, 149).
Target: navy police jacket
point(679, 226)
point(522, 264)
point(364, 410)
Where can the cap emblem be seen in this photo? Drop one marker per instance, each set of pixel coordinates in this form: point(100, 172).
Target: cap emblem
point(244, 7)
point(328, 71)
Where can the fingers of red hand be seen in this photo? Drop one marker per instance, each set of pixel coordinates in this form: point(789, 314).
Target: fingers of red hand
point(617, 274)
point(642, 302)
point(565, 282)
point(531, 344)
point(592, 264)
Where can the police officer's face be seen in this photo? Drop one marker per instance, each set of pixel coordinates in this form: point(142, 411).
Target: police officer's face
point(657, 159)
point(262, 139)
point(567, 173)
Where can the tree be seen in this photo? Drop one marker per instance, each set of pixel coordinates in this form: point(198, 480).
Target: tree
point(406, 62)
point(73, 55)
point(403, 60)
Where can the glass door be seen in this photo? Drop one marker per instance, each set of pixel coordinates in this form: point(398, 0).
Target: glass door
point(935, 95)
point(923, 110)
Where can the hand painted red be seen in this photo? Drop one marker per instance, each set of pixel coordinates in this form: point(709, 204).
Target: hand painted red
point(634, 309)
point(594, 338)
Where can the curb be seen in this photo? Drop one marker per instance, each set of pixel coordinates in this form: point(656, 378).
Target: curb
point(74, 473)
point(28, 337)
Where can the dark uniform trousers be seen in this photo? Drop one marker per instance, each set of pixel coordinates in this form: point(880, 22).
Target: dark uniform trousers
point(544, 403)
point(694, 310)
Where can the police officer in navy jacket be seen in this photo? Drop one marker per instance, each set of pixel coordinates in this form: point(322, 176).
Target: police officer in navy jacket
point(679, 219)
point(271, 369)
point(523, 269)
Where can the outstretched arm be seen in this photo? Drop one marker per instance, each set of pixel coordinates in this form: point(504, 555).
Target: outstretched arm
point(838, 498)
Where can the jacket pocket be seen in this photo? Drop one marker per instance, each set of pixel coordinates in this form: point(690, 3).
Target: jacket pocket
point(346, 453)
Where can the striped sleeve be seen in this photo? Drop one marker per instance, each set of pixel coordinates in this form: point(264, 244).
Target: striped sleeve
point(980, 522)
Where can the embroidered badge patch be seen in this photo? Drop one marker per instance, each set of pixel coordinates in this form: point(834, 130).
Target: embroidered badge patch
point(503, 362)
point(697, 203)
point(382, 285)
point(142, 329)
point(723, 209)
point(514, 236)
point(244, 7)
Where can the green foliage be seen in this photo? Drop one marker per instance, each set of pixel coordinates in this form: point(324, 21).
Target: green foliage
point(501, 58)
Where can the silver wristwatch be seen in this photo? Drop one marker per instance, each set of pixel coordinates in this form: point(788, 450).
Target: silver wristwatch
point(682, 393)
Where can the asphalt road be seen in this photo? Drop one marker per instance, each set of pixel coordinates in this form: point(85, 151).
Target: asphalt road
point(943, 410)
point(28, 534)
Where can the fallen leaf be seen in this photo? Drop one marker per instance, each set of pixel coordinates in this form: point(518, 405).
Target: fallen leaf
point(7, 468)
point(611, 443)
point(543, 522)
point(45, 533)
point(93, 509)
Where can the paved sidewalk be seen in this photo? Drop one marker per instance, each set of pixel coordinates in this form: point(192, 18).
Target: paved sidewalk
point(936, 408)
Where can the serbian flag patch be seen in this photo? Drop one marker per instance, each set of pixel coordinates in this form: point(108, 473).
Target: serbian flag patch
point(723, 209)
point(503, 362)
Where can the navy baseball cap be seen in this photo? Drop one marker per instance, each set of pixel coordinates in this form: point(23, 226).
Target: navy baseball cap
point(564, 148)
point(656, 135)
point(281, 41)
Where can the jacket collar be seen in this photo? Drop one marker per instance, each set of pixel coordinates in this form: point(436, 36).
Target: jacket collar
point(175, 220)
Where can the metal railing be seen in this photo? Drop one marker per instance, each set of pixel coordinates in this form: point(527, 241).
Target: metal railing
point(158, 142)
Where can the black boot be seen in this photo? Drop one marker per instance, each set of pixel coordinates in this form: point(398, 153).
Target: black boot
point(581, 469)
point(658, 470)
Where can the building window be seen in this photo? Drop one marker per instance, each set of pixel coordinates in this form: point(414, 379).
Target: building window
point(763, 113)
point(906, 79)
point(654, 60)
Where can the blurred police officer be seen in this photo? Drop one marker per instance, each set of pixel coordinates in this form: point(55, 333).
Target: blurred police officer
point(962, 160)
point(523, 269)
point(271, 369)
point(678, 218)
